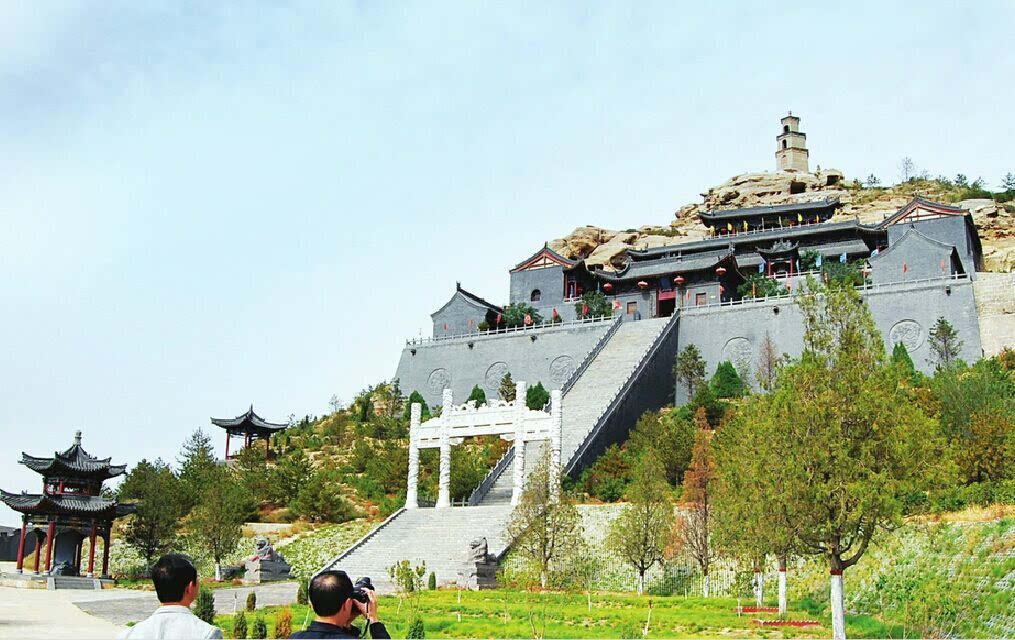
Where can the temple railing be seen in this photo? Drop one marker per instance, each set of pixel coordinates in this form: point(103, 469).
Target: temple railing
point(864, 288)
point(491, 478)
point(499, 332)
point(591, 355)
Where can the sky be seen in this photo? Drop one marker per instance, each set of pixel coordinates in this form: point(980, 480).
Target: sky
point(207, 205)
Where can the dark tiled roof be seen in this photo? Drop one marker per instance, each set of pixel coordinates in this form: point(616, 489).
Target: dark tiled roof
point(74, 461)
point(64, 504)
point(477, 299)
point(776, 209)
point(918, 202)
point(248, 419)
point(754, 238)
point(666, 266)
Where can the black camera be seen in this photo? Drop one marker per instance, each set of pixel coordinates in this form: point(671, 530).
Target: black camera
point(359, 590)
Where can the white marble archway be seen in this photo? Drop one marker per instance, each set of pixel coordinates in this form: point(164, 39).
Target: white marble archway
point(509, 420)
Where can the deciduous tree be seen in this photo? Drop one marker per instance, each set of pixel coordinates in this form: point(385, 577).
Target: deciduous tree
point(693, 531)
point(507, 388)
point(543, 529)
point(863, 444)
point(217, 519)
point(641, 532)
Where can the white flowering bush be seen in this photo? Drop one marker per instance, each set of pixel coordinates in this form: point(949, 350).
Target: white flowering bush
point(308, 552)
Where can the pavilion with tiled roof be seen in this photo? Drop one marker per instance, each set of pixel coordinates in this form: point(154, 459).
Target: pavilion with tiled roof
point(70, 508)
point(252, 427)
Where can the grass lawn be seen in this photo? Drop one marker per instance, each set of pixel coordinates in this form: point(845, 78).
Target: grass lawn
point(146, 584)
point(506, 613)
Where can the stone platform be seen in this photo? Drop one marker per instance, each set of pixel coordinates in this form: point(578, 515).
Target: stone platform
point(43, 581)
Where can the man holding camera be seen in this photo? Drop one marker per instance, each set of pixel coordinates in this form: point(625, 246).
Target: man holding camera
point(337, 603)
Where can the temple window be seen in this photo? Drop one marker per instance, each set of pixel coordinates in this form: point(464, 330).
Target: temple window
point(534, 296)
point(797, 187)
point(783, 144)
point(700, 299)
point(632, 308)
point(785, 129)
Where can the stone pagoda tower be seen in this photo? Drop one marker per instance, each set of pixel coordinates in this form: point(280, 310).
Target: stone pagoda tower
point(791, 146)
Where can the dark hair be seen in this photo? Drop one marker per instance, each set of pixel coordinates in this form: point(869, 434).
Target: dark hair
point(328, 592)
point(171, 575)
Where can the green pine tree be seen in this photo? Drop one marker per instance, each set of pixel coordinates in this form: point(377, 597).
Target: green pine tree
point(536, 397)
point(477, 395)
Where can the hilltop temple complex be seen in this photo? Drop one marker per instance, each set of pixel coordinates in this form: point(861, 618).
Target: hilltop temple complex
point(728, 290)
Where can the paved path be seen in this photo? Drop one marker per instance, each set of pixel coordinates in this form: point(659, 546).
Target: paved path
point(120, 606)
point(37, 613)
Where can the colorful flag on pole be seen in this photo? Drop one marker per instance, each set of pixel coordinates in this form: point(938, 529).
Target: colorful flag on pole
point(875, 252)
point(817, 261)
point(761, 267)
point(585, 309)
point(799, 217)
point(498, 319)
point(905, 267)
point(528, 319)
point(616, 304)
point(729, 227)
point(745, 225)
point(711, 230)
point(842, 258)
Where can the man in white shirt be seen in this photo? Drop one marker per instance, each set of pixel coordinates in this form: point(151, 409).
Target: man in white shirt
point(177, 586)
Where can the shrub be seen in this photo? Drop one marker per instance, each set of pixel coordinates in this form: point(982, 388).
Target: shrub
point(593, 304)
point(251, 601)
point(536, 397)
point(514, 315)
point(477, 395)
point(240, 625)
point(284, 623)
point(757, 285)
point(260, 629)
point(205, 606)
point(432, 583)
point(302, 597)
point(416, 629)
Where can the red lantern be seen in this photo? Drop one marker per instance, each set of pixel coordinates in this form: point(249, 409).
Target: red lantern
point(642, 284)
point(608, 287)
point(679, 280)
point(720, 271)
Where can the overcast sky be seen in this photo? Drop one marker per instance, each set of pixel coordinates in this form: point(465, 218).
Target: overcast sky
point(207, 205)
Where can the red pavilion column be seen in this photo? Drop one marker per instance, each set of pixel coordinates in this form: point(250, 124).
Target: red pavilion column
point(50, 534)
point(105, 552)
point(38, 548)
point(91, 553)
point(227, 444)
point(21, 544)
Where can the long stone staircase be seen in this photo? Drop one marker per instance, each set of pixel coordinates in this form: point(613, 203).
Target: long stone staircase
point(441, 536)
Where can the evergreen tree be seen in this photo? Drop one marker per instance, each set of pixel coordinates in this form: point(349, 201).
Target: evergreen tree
point(666, 435)
point(689, 369)
point(320, 500)
point(416, 397)
point(901, 359)
point(289, 476)
point(944, 344)
point(477, 395)
point(196, 459)
point(152, 530)
point(726, 383)
point(644, 528)
point(507, 388)
point(536, 397)
point(1008, 183)
point(240, 625)
point(204, 608)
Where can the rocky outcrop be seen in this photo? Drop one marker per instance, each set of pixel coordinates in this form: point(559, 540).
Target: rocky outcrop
point(608, 249)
